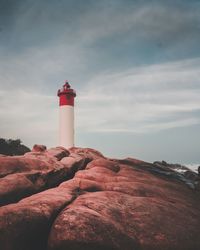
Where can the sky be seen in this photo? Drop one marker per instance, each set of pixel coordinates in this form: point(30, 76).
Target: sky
point(135, 65)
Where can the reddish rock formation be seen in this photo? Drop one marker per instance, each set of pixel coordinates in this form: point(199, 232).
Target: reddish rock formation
point(108, 205)
point(39, 148)
point(40, 169)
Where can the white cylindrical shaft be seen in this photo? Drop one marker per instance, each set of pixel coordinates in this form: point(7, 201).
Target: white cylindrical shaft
point(66, 136)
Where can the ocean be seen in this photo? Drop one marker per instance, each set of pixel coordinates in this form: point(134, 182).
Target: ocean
point(193, 166)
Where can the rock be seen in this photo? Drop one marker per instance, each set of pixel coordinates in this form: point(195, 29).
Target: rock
point(87, 152)
point(39, 148)
point(164, 163)
point(177, 171)
point(130, 205)
point(171, 166)
point(75, 162)
point(130, 161)
point(35, 172)
point(25, 225)
point(104, 163)
point(58, 152)
point(94, 219)
point(191, 175)
point(107, 204)
point(26, 163)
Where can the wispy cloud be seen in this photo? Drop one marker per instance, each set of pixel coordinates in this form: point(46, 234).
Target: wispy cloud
point(29, 116)
point(144, 99)
point(153, 20)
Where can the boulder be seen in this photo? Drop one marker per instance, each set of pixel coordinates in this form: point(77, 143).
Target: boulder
point(127, 209)
point(39, 148)
point(106, 204)
point(36, 171)
point(87, 152)
point(25, 225)
point(58, 152)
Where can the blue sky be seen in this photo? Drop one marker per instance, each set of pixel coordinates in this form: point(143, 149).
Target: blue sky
point(134, 64)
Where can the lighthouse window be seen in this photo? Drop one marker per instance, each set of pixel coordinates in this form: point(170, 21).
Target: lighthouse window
point(68, 97)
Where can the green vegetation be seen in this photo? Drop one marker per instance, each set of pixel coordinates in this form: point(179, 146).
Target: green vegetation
point(12, 147)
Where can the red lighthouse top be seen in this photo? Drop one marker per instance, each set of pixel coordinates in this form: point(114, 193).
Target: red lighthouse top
point(66, 95)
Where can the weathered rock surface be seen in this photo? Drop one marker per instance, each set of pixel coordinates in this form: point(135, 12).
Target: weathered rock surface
point(108, 204)
point(40, 169)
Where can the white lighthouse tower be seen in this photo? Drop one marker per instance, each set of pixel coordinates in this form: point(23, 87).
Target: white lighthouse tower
point(66, 120)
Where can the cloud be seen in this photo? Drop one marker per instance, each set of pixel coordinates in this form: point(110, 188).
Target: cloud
point(37, 69)
point(29, 116)
point(167, 24)
point(43, 43)
point(142, 100)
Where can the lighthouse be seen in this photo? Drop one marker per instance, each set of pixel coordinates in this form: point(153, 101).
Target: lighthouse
point(66, 117)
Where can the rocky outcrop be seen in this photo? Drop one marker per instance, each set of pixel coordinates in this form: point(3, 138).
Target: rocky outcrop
point(40, 169)
point(178, 171)
point(103, 204)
